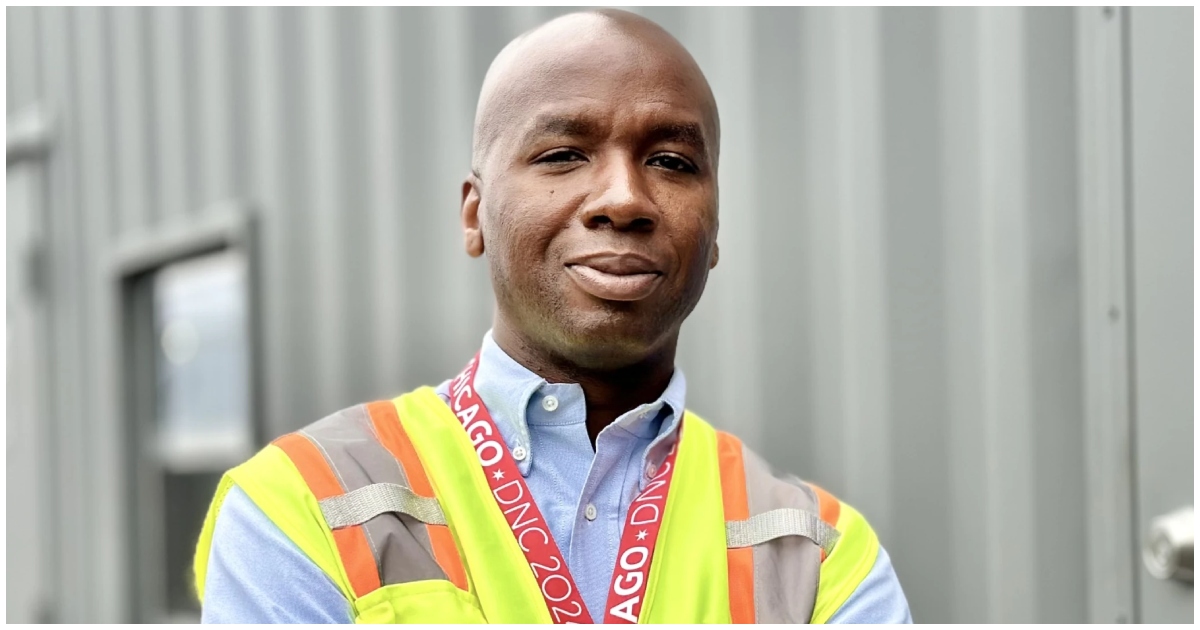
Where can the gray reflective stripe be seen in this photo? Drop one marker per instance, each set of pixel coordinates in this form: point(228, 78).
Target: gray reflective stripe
point(349, 443)
point(400, 543)
point(787, 570)
point(364, 504)
point(778, 523)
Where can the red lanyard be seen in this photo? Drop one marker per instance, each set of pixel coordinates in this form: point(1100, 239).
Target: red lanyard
point(628, 589)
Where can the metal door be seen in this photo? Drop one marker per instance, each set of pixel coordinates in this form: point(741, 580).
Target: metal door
point(1160, 119)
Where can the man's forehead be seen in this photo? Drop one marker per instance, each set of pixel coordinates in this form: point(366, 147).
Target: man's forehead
point(595, 65)
point(591, 57)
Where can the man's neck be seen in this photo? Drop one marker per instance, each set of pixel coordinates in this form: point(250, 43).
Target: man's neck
point(608, 393)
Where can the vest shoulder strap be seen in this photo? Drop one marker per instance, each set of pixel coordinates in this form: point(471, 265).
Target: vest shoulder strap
point(275, 484)
point(351, 491)
point(777, 542)
point(806, 549)
point(500, 578)
point(848, 563)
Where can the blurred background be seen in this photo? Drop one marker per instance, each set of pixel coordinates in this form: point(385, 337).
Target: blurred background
point(955, 287)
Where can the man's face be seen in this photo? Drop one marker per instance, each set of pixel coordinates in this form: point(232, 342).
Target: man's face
point(598, 202)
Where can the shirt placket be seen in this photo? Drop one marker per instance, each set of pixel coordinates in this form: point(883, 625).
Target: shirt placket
point(601, 499)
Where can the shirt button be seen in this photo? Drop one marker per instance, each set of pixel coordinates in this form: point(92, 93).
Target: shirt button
point(590, 512)
point(519, 453)
point(650, 470)
point(550, 403)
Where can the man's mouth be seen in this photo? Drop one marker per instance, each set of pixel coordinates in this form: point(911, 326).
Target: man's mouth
point(616, 277)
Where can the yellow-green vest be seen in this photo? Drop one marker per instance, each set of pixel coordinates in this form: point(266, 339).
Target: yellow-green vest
point(389, 500)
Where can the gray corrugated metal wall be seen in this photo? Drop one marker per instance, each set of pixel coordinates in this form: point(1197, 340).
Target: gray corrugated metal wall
point(896, 313)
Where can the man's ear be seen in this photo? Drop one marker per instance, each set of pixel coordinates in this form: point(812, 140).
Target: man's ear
point(716, 255)
point(472, 232)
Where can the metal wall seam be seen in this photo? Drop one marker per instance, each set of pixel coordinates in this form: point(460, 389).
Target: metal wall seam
point(326, 161)
point(358, 301)
point(1056, 404)
point(383, 109)
point(867, 452)
point(825, 118)
point(214, 106)
point(419, 266)
point(131, 156)
point(786, 307)
point(267, 192)
point(172, 159)
point(22, 76)
point(916, 274)
point(65, 261)
point(961, 181)
point(30, 451)
point(102, 431)
point(298, 215)
point(1004, 237)
point(1100, 103)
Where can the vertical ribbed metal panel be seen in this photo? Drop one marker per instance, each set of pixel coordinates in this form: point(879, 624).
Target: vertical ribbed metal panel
point(66, 293)
point(131, 113)
point(386, 233)
point(268, 145)
point(174, 170)
point(1102, 113)
point(32, 540)
point(99, 430)
point(895, 313)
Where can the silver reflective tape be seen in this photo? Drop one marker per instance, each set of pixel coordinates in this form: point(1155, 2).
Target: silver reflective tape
point(768, 526)
point(364, 504)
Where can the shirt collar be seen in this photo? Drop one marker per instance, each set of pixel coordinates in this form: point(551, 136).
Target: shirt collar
point(507, 386)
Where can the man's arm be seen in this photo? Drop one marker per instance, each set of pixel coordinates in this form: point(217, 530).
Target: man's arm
point(877, 599)
point(257, 575)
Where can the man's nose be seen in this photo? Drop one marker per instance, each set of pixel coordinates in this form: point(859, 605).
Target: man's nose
point(624, 202)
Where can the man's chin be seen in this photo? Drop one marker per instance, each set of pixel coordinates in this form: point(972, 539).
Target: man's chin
point(610, 342)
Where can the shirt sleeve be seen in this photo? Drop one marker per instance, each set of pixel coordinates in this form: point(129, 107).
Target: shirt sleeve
point(878, 599)
point(256, 574)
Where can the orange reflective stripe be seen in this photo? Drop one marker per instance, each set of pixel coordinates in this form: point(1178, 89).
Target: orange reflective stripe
point(830, 509)
point(737, 508)
point(395, 439)
point(312, 465)
point(352, 544)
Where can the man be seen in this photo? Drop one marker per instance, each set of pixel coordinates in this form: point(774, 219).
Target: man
point(558, 478)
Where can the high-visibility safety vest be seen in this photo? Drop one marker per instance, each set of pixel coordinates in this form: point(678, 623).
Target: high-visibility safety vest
point(390, 501)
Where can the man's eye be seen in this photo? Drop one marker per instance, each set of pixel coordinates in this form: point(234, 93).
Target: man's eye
point(672, 163)
point(564, 155)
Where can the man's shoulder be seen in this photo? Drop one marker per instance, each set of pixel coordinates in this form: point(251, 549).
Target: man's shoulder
point(850, 555)
point(250, 571)
point(770, 487)
point(363, 414)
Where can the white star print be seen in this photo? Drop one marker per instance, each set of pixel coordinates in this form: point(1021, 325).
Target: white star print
point(641, 535)
point(498, 475)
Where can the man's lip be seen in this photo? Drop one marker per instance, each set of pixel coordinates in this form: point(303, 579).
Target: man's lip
point(628, 287)
point(618, 263)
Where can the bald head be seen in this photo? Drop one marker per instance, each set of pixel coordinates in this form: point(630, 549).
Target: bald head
point(595, 46)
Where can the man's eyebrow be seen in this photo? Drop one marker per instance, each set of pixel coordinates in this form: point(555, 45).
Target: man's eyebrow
point(691, 134)
point(558, 125)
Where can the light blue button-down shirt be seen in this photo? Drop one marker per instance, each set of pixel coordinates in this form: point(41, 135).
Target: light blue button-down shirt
point(569, 481)
point(257, 575)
